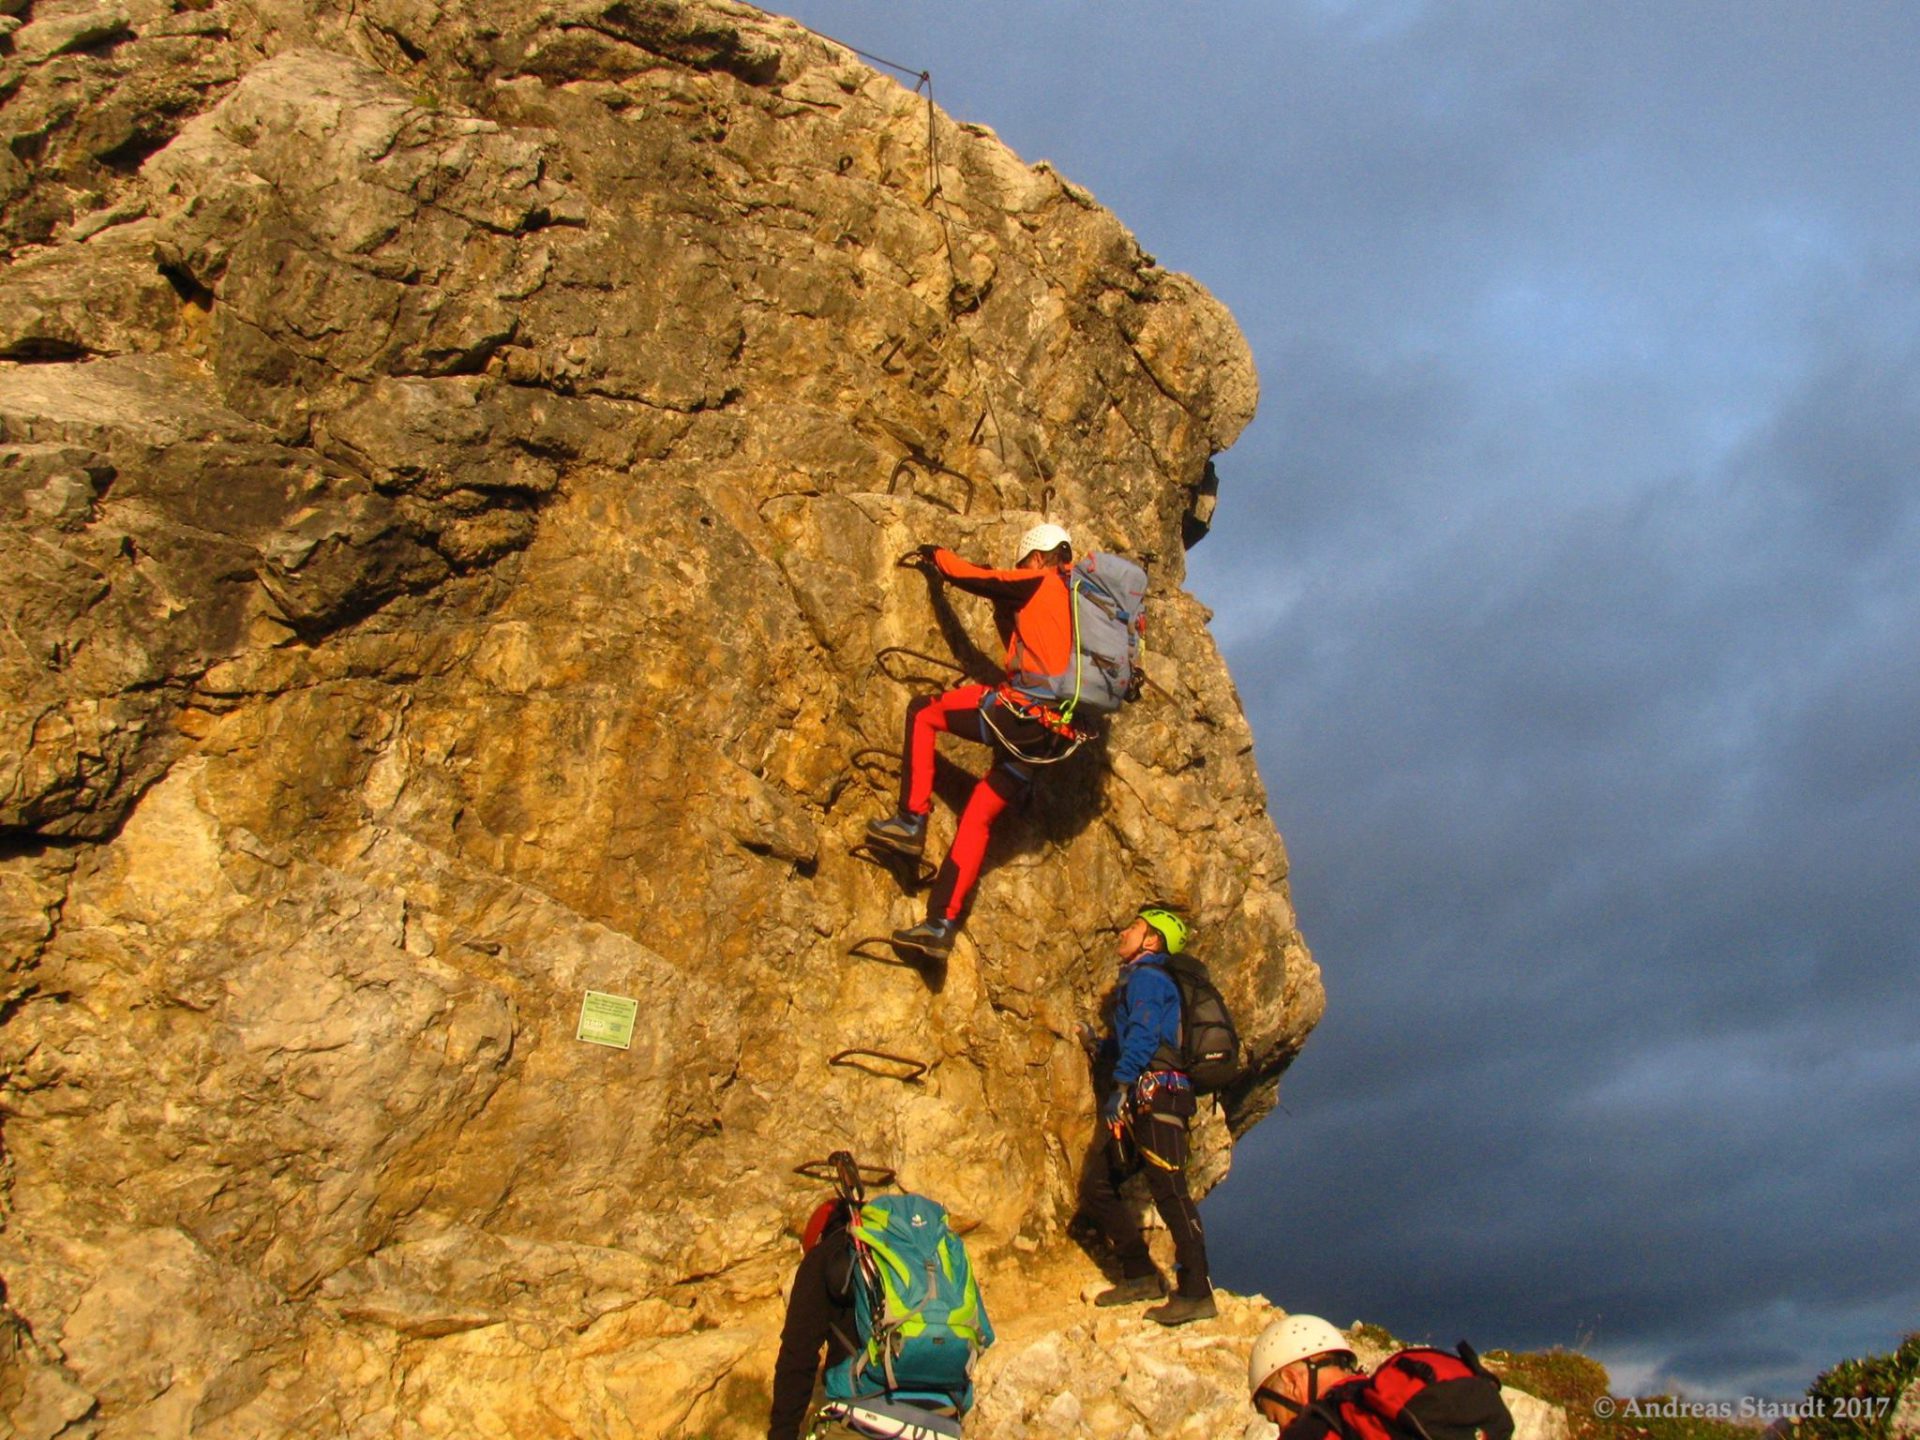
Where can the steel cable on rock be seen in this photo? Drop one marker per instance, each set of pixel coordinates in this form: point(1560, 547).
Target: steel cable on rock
point(936, 191)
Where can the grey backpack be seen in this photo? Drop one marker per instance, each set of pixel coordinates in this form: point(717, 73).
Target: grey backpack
point(1109, 627)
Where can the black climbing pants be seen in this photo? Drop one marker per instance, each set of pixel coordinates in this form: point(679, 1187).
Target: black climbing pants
point(1155, 1142)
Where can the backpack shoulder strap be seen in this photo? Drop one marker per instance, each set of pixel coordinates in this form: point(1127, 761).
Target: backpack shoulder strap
point(842, 1270)
point(1335, 1422)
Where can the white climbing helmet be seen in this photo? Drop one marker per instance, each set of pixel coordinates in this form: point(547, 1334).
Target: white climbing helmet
point(1297, 1337)
point(1043, 537)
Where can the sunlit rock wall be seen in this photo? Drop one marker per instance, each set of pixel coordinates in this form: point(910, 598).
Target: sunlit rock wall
point(453, 460)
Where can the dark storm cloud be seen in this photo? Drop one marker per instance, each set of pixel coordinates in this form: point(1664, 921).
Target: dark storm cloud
point(1628, 1204)
point(1572, 582)
point(1593, 683)
point(1644, 776)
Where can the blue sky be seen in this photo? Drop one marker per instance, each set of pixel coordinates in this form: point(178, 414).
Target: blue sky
point(1573, 587)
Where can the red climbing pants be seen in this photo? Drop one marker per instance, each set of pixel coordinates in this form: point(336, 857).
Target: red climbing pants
point(926, 720)
point(958, 712)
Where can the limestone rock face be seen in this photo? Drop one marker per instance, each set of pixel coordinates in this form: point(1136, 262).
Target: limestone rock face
point(453, 460)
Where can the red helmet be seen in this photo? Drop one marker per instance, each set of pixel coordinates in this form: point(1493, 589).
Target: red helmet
point(824, 1217)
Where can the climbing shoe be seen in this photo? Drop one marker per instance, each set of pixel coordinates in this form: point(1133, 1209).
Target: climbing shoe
point(1184, 1308)
point(1132, 1291)
point(905, 832)
point(930, 937)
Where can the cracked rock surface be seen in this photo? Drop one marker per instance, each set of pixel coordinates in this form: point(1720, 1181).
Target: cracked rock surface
point(452, 463)
point(1115, 1373)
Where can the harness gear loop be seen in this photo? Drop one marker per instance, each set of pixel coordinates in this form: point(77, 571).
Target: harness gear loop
point(1067, 736)
point(1152, 1081)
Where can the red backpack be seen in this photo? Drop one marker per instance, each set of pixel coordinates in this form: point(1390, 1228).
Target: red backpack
point(1414, 1395)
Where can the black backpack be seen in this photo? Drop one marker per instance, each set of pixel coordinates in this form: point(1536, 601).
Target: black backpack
point(1420, 1394)
point(1209, 1045)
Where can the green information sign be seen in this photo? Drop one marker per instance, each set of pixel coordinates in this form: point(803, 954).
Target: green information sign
point(607, 1019)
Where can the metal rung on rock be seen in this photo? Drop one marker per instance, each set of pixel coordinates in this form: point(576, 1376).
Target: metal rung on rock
point(882, 951)
point(829, 1173)
point(914, 873)
point(906, 467)
point(943, 668)
point(873, 757)
point(864, 1060)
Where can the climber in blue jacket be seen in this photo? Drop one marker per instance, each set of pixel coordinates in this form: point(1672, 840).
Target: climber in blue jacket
point(1146, 1113)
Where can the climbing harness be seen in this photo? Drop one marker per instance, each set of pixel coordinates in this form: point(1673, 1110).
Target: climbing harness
point(1063, 737)
point(1153, 1081)
point(881, 1421)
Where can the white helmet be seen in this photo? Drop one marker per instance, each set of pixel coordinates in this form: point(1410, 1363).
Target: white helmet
point(1043, 537)
point(1297, 1337)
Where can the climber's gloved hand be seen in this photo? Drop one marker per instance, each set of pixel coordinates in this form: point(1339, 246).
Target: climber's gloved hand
point(1089, 1041)
point(1114, 1106)
point(920, 558)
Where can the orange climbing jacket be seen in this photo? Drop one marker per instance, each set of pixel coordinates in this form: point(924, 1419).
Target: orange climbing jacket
point(1073, 635)
point(1033, 609)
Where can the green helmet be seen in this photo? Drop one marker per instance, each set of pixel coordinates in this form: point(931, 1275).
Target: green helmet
point(1172, 928)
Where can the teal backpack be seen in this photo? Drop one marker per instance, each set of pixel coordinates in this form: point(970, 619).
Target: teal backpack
point(918, 1317)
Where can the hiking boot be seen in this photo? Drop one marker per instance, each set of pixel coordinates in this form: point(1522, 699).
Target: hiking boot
point(905, 832)
point(930, 937)
point(1184, 1308)
point(1132, 1291)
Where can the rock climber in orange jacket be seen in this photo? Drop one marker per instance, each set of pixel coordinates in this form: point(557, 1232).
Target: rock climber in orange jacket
point(1033, 608)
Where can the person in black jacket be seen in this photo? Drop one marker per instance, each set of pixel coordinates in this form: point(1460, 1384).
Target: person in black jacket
point(819, 1316)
